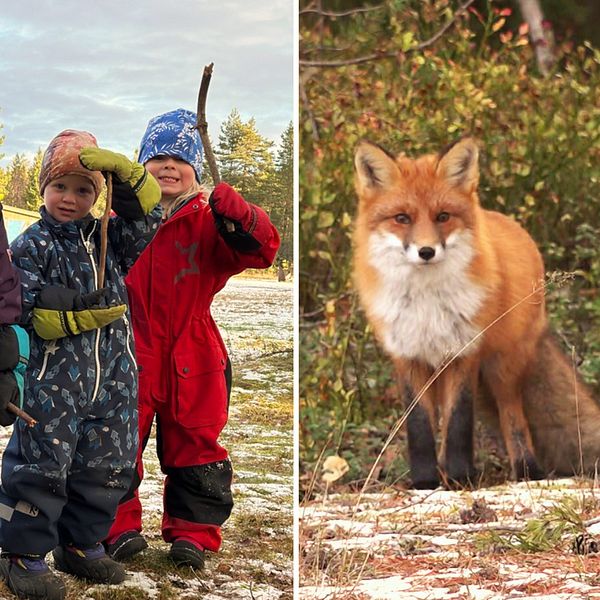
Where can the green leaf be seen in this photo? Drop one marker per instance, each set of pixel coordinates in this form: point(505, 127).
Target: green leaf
point(326, 219)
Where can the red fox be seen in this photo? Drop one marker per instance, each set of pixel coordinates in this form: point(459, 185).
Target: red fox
point(434, 271)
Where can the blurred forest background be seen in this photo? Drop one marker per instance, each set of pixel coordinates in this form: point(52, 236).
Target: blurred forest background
point(523, 77)
point(250, 162)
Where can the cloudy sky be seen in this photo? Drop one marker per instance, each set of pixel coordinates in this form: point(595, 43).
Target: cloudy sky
point(108, 66)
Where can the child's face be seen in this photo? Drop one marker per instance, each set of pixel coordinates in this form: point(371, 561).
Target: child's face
point(69, 197)
point(174, 175)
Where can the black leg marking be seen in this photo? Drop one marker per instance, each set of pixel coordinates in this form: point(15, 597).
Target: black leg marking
point(421, 447)
point(458, 462)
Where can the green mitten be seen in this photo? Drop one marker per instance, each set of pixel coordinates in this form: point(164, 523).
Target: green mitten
point(53, 324)
point(135, 191)
point(61, 311)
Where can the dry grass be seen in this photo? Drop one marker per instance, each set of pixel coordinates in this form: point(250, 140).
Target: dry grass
point(256, 557)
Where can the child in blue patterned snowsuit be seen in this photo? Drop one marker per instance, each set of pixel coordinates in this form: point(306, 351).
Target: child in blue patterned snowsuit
point(65, 476)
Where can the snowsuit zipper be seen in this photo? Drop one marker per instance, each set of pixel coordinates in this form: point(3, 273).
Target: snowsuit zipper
point(90, 250)
point(128, 339)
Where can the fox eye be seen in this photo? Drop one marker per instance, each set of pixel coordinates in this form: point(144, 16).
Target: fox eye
point(442, 217)
point(402, 218)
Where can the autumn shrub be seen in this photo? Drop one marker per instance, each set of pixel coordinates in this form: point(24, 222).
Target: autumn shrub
point(540, 163)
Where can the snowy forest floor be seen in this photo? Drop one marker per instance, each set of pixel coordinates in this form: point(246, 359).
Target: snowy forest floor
point(255, 318)
point(508, 541)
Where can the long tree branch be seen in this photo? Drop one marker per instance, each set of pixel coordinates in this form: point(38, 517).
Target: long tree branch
point(382, 55)
point(325, 13)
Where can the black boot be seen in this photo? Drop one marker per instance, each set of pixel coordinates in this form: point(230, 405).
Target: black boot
point(29, 577)
point(92, 564)
point(128, 544)
point(187, 554)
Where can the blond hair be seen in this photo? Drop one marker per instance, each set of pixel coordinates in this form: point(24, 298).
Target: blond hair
point(171, 206)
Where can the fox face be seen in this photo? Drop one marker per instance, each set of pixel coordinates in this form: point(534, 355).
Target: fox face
point(416, 229)
point(419, 212)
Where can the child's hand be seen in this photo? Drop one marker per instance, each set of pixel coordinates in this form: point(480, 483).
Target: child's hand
point(56, 297)
point(98, 159)
point(135, 191)
point(98, 299)
point(234, 217)
point(61, 311)
point(226, 202)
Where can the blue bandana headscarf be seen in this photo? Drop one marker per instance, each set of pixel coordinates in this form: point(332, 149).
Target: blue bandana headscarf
point(173, 134)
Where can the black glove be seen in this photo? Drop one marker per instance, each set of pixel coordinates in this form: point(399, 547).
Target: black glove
point(9, 392)
point(55, 297)
point(9, 348)
point(61, 311)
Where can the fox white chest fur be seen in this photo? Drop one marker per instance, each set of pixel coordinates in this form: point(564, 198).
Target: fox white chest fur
point(426, 311)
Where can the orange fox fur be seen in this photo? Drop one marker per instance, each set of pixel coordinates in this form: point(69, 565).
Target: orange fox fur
point(434, 272)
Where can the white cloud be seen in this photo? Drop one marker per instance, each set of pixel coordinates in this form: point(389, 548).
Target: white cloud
point(110, 66)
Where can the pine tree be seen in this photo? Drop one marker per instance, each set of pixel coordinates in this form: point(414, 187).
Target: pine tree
point(283, 195)
point(18, 181)
point(244, 157)
point(32, 194)
point(3, 173)
point(3, 184)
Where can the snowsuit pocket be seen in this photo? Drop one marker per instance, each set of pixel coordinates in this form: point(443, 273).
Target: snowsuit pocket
point(201, 388)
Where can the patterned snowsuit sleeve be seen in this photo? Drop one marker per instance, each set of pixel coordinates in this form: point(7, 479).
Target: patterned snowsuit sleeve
point(31, 264)
point(129, 238)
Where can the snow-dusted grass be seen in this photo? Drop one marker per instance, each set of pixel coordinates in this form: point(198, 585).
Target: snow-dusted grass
point(411, 544)
point(255, 318)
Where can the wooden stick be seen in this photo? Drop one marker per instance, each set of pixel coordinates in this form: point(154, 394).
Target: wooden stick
point(104, 230)
point(21, 413)
point(202, 125)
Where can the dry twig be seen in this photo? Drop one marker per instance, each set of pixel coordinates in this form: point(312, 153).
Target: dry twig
point(345, 13)
point(104, 231)
point(10, 407)
point(202, 124)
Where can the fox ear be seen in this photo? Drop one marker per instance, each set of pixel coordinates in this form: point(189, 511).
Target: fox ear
point(375, 168)
point(460, 164)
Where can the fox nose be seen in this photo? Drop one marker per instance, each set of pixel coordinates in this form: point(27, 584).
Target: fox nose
point(426, 252)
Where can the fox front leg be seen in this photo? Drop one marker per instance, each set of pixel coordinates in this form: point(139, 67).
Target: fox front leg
point(457, 440)
point(422, 454)
point(456, 389)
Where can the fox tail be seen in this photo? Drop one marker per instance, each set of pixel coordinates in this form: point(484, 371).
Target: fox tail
point(563, 415)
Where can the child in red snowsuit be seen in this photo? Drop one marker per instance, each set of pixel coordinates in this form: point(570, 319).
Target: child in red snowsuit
point(184, 371)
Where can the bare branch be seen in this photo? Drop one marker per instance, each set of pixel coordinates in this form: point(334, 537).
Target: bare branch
point(327, 49)
point(21, 413)
point(325, 13)
point(202, 124)
point(350, 61)
point(104, 230)
point(382, 55)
